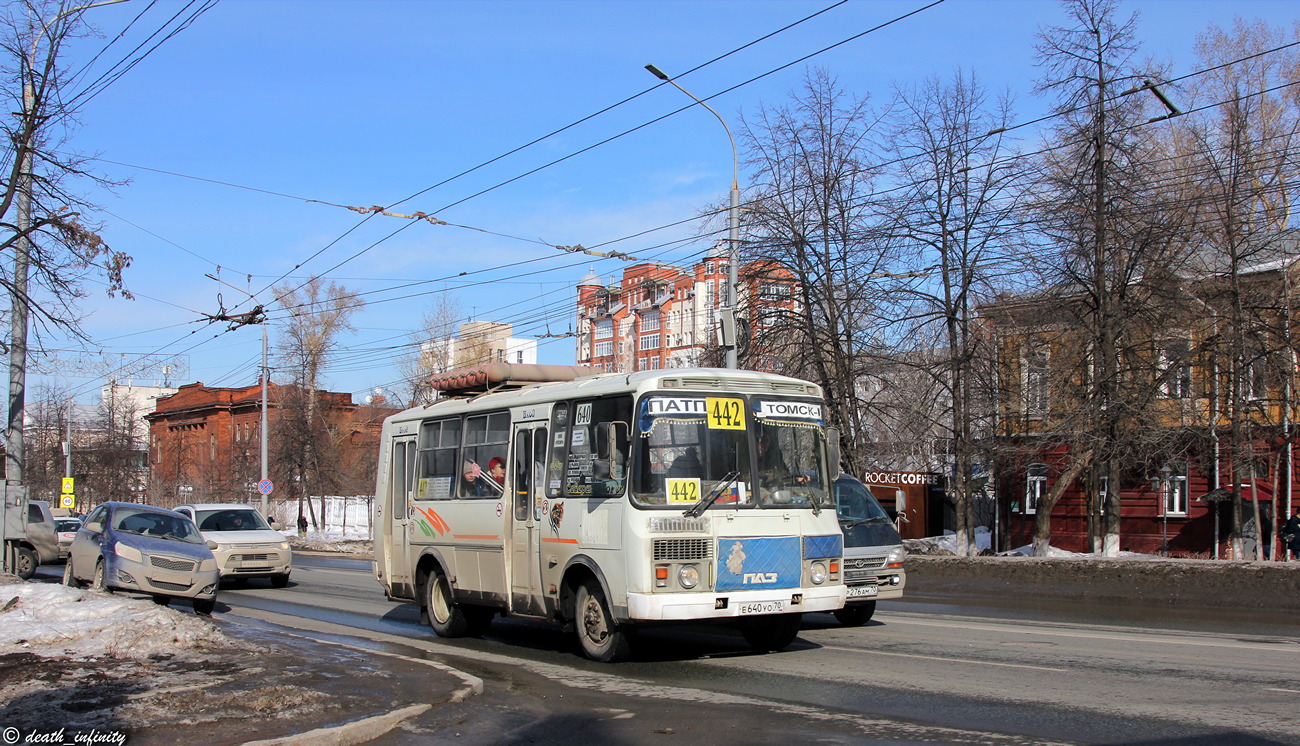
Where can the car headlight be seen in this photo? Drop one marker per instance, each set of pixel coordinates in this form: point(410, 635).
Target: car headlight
point(207, 565)
point(283, 546)
point(688, 576)
point(895, 557)
point(127, 552)
point(818, 573)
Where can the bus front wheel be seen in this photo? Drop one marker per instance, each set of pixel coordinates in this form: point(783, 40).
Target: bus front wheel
point(855, 615)
point(445, 617)
point(771, 633)
point(601, 639)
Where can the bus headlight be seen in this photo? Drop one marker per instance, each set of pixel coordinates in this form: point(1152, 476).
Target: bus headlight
point(818, 573)
point(688, 576)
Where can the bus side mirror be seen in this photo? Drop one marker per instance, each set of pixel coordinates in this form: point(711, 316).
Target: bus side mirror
point(833, 450)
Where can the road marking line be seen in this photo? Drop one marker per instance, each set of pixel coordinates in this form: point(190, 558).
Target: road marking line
point(945, 660)
point(1029, 628)
point(1286, 691)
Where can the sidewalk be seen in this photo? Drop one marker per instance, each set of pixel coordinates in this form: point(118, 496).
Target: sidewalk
point(278, 688)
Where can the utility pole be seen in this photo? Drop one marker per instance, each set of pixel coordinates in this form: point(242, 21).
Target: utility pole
point(14, 441)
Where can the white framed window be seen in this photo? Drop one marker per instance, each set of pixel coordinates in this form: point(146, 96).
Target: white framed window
point(1174, 490)
point(650, 322)
point(604, 349)
point(1034, 380)
point(604, 329)
point(1176, 368)
point(650, 341)
point(708, 268)
point(1035, 487)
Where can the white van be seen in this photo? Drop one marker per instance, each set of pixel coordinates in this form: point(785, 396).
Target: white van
point(246, 546)
point(873, 551)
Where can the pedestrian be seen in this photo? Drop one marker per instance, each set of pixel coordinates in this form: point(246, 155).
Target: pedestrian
point(1291, 534)
point(302, 526)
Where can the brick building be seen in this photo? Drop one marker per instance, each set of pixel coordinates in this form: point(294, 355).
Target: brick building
point(663, 316)
point(205, 442)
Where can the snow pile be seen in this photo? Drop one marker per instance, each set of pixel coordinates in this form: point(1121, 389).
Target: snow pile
point(55, 621)
point(947, 544)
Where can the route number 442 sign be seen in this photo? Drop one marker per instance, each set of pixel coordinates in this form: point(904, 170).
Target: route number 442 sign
point(725, 414)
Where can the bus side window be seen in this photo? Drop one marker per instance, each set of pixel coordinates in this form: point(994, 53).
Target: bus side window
point(439, 449)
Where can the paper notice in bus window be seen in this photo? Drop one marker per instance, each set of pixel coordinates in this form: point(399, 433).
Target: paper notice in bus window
point(579, 437)
point(435, 488)
point(725, 414)
point(683, 490)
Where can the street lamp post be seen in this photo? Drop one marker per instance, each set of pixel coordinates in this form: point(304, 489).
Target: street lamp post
point(733, 236)
point(1163, 486)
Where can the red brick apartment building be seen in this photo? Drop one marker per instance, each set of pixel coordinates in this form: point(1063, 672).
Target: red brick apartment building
point(205, 442)
point(663, 316)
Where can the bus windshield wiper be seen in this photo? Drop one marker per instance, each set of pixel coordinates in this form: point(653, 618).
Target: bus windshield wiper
point(698, 508)
point(860, 521)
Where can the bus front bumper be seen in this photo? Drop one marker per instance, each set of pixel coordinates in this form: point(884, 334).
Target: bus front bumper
point(725, 605)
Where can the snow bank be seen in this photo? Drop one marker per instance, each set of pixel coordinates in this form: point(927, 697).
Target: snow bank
point(947, 544)
point(56, 621)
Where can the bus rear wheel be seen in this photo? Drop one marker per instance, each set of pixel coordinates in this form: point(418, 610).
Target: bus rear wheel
point(446, 617)
point(771, 633)
point(600, 638)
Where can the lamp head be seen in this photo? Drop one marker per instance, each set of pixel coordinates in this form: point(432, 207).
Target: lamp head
point(656, 72)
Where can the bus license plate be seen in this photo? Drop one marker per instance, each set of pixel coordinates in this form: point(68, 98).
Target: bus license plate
point(863, 591)
point(763, 607)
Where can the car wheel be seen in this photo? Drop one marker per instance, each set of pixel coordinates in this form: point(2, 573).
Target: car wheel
point(856, 615)
point(101, 582)
point(771, 633)
point(204, 606)
point(69, 579)
point(445, 617)
point(25, 563)
point(601, 639)
point(162, 600)
point(280, 581)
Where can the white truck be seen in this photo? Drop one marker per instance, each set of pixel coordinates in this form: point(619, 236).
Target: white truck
point(29, 537)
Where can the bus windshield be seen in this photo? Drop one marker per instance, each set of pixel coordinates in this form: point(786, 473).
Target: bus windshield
point(752, 451)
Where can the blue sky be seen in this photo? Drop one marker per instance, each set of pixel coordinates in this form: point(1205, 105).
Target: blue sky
point(263, 110)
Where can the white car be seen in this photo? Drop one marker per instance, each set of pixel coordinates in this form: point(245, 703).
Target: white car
point(246, 546)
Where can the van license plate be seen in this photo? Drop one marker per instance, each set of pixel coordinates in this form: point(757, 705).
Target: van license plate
point(763, 607)
point(863, 591)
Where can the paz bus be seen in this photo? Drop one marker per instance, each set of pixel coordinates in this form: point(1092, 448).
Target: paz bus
point(606, 502)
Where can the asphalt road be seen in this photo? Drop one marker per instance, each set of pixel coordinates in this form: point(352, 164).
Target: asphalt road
point(952, 672)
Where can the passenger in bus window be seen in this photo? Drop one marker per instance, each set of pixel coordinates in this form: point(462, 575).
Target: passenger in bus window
point(497, 470)
point(469, 486)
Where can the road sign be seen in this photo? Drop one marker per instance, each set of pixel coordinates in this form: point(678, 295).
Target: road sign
point(69, 485)
point(266, 486)
point(67, 500)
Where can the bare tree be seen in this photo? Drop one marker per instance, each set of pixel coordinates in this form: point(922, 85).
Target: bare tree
point(811, 214)
point(431, 349)
point(318, 314)
point(1115, 241)
point(957, 216)
point(1239, 153)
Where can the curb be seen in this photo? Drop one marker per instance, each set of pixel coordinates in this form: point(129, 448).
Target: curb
point(357, 731)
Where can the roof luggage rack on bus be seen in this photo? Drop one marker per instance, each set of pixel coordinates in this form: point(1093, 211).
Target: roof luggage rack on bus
point(504, 376)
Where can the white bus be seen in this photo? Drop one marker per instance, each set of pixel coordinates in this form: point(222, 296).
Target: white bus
point(610, 501)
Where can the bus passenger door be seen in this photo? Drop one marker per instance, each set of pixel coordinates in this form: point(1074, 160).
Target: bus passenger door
point(397, 526)
point(528, 464)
